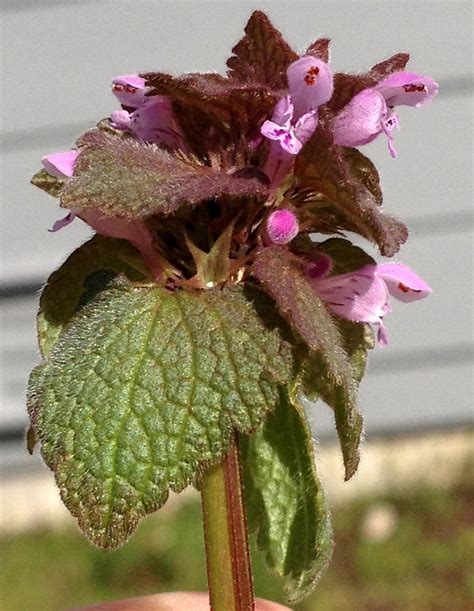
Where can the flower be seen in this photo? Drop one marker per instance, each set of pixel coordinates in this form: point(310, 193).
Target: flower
point(136, 232)
point(282, 226)
point(363, 295)
point(310, 84)
point(370, 112)
point(61, 165)
point(150, 118)
point(290, 137)
point(130, 90)
point(295, 116)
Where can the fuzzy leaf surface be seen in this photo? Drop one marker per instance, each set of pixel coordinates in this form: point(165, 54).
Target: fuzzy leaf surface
point(143, 389)
point(66, 287)
point(346, 86)
point(319, 49)
point(51, 184)
point(388, 66)
point(123, 177)
point(357, 338)
point(316, 384)
point(262, 55)
point(285, 500)
point(338, 187)
point(282, 277)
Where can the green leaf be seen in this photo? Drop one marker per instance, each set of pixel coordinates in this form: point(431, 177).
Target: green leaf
point(316, 383)
point(62, 295)
point(285, 499)
point(51, 184)
point(143, 389)
point(282, 277)
point(262, 55)
point(125, 177)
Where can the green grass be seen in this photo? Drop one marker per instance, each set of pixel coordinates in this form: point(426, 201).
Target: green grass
point(426, 564)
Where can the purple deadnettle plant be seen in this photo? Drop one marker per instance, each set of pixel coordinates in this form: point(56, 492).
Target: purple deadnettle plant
point(219, 290)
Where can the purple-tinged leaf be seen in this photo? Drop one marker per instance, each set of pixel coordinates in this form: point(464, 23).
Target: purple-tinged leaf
point(282, 276)
point(227, 111)
point(320, 49)
point(364, 172)
point(357, 338)
point(395, 63)
point(345, 186)
point(123, 177)
point(262, 55)
point(346, 86)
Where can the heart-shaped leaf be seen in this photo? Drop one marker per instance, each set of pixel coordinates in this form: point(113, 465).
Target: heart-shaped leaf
point(143, 388)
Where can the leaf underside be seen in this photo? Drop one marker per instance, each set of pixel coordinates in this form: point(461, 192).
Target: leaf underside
point(285, 500)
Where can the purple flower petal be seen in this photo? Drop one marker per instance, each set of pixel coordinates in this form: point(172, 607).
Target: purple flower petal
point(306, 126)
point(282, 226)
point(360, 121)
point(359, 296)
point(310, 84)
point(402, 282)
point(290, 143)
point(283, 112)
point(382, 335)
point(60, 164)
point(407, 88)
point(63, 222)
point(120, 119)
point(154, 122)
point(285, 136)
point(272, 130)
point(130, 90)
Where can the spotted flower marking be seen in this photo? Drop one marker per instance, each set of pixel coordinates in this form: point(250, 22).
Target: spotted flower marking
point(371, 111)
point(363, 295)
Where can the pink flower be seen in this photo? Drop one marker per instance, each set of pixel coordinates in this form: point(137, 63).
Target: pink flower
point(363, 295)
point(370, 112)
point(287, 138)
point(291, 137)
point(149, 118)
point(130, 90)
point(62, 165)
point(282, 226)
point(310, 84)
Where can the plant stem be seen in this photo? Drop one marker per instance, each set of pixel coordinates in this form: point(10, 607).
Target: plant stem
point(229, 571)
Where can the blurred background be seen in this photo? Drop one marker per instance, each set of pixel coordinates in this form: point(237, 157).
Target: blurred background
point(404, 526)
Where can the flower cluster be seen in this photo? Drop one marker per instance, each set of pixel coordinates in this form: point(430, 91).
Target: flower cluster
point(268, 154)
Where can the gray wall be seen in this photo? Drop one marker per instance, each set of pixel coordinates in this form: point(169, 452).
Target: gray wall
point(58, 61)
